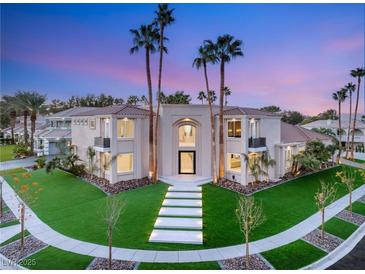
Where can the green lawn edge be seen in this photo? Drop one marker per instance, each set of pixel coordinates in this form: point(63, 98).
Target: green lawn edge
point(211, 265)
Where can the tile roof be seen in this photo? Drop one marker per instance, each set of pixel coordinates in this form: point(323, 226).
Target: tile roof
point(57, 133)
point(70, 112)
point(248, 111)
point(116, 110)
point(294, 133)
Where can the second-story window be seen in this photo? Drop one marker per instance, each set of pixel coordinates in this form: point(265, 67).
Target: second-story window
point(234, 129)
point(125, 128)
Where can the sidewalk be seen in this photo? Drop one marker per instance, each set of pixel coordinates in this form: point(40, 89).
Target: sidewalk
point(20, 163)
point(46, 234)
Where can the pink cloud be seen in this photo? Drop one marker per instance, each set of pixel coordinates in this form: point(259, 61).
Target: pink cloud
point(349, 44)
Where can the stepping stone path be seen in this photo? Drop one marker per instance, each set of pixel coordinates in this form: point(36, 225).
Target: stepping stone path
point(180, 218)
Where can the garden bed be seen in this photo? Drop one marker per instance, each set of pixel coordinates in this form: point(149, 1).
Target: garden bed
point(8, 216)
point(256, 262)
point(103, 264)
point(116, 188)
point(328, 243)
point(355, 218)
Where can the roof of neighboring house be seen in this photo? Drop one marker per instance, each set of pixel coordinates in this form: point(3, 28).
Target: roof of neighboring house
point(71, 112)
point(248, 111)
point(333, 123)
point(56, 133)
point(294, 133)
point(116, 110)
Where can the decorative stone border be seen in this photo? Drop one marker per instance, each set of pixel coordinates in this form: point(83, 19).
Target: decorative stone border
point(356, 219)
point(328, 244)
point(257, 262)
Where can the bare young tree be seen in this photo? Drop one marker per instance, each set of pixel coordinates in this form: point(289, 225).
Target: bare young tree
point(325, 195)
point(250, 215)
point(1, 198)
point(114, 208)
point(347, 177)
point(27, 194)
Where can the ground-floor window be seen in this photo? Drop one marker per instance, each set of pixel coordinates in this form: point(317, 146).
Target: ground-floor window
point(234, 162)
point(125, 162)
point(288, 157)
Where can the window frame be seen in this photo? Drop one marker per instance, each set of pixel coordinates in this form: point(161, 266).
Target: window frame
point(229, 168)
point(132, 169)
point(193, 130)
point(125, 120)
point(234, 132)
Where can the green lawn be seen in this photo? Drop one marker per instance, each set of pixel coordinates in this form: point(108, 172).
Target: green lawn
point(358, 207)
point(339, 228)
point(294, 255)
point(182, 266)
point(6, 153)
point(11, 171)
point(75, 208)
point(52, 258)
point(14, 238)
point(359, 161)
point(13, 222)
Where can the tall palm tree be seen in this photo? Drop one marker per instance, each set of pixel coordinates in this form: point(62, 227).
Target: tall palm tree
point(357, 73)
point(20, 100)
point(204, 57)
point(339, 96)
point(201, 96)
point(147, 37)
point(350, 87)
point(133, 100)
point(9, 105)
point(225, 49)
point(227, 92)
point(163, 18)
point(213, 96)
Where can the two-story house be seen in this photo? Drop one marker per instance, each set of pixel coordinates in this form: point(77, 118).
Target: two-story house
point(119, 135)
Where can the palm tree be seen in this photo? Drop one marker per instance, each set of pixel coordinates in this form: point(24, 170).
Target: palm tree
point(201, 96)
point(163, 19)
point(357, 73)
point(227, 92)
point(11, 107)
point(20, 100)
point(146, 37)
point(212, 95)
point(339, 96)
point(144, 100)
point(267, 162)
point(204, 57)
point(350, 87)
point(133, 100)
point(225, 49)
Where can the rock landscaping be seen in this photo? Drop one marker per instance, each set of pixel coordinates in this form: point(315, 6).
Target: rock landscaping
point(31, 245)
point(250, 188)
point(239, 263)
point(103, 263)
point(116, 188)
point(7, 217)
point(329, 243)
point(356, 219)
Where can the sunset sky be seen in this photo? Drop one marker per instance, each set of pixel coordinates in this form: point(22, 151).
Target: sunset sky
point(296, 55)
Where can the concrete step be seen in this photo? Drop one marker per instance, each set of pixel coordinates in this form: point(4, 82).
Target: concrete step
point(183, 223)
point(182, 202)
point(185, 189)
point(186, 195)
point(181, 211)
point(176, 236)
point(185, 179)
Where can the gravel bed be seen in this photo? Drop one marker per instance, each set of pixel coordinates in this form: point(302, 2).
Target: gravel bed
point(102, 264)
point(7, 217)
point(249, 188)
point(239, 263)
point(356, 219)
point(31, 245)
point(118, 187)
point(329, 243)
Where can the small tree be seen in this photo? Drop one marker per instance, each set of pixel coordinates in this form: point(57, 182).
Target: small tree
point(323, 197)
point(114, 208)
point(267, 162)
point(91, 153)
point(27, 193)
point(347, 177)
point(250, 215)
point(1, 198)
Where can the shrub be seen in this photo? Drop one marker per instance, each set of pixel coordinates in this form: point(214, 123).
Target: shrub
point(78, 169)
point(21, 150)
point(41, 162)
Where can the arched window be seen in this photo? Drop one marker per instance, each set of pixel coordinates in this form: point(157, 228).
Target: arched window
point(187, 136)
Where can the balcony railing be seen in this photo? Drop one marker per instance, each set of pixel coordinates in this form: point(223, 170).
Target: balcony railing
point(256, 142)
point(102, 142)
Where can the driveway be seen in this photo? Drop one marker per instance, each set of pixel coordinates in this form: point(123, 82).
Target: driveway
point(352, 261)
point(20, 163)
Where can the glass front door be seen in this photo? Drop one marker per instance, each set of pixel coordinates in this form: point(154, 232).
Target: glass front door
point(186, 162)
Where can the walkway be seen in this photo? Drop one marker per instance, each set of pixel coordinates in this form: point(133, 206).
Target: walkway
point(46, 234)
point(180, 219)
point(20, 163)
point(9, 231)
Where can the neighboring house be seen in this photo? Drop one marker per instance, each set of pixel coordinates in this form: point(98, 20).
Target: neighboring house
point(359, 140)
point(56, 135)
point(119, 135)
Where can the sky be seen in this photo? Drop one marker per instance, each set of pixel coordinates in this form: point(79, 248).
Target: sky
point(295, 55)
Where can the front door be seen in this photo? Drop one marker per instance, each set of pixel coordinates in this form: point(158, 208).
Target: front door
point(186, 162)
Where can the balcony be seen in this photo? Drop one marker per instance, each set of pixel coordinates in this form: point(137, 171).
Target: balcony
point(102, 144)
point(256, 144)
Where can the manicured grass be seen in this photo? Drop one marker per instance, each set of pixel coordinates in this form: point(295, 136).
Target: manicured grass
point(339, 228)
point(294, 255)
point(75, 208)
point(13, 222)
point(11, 171)
point(52, 258)
point(6, 153)
point(358, 207)
point(14, 238)
point(359, 161)
point(284, 206)
point(182, 266)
